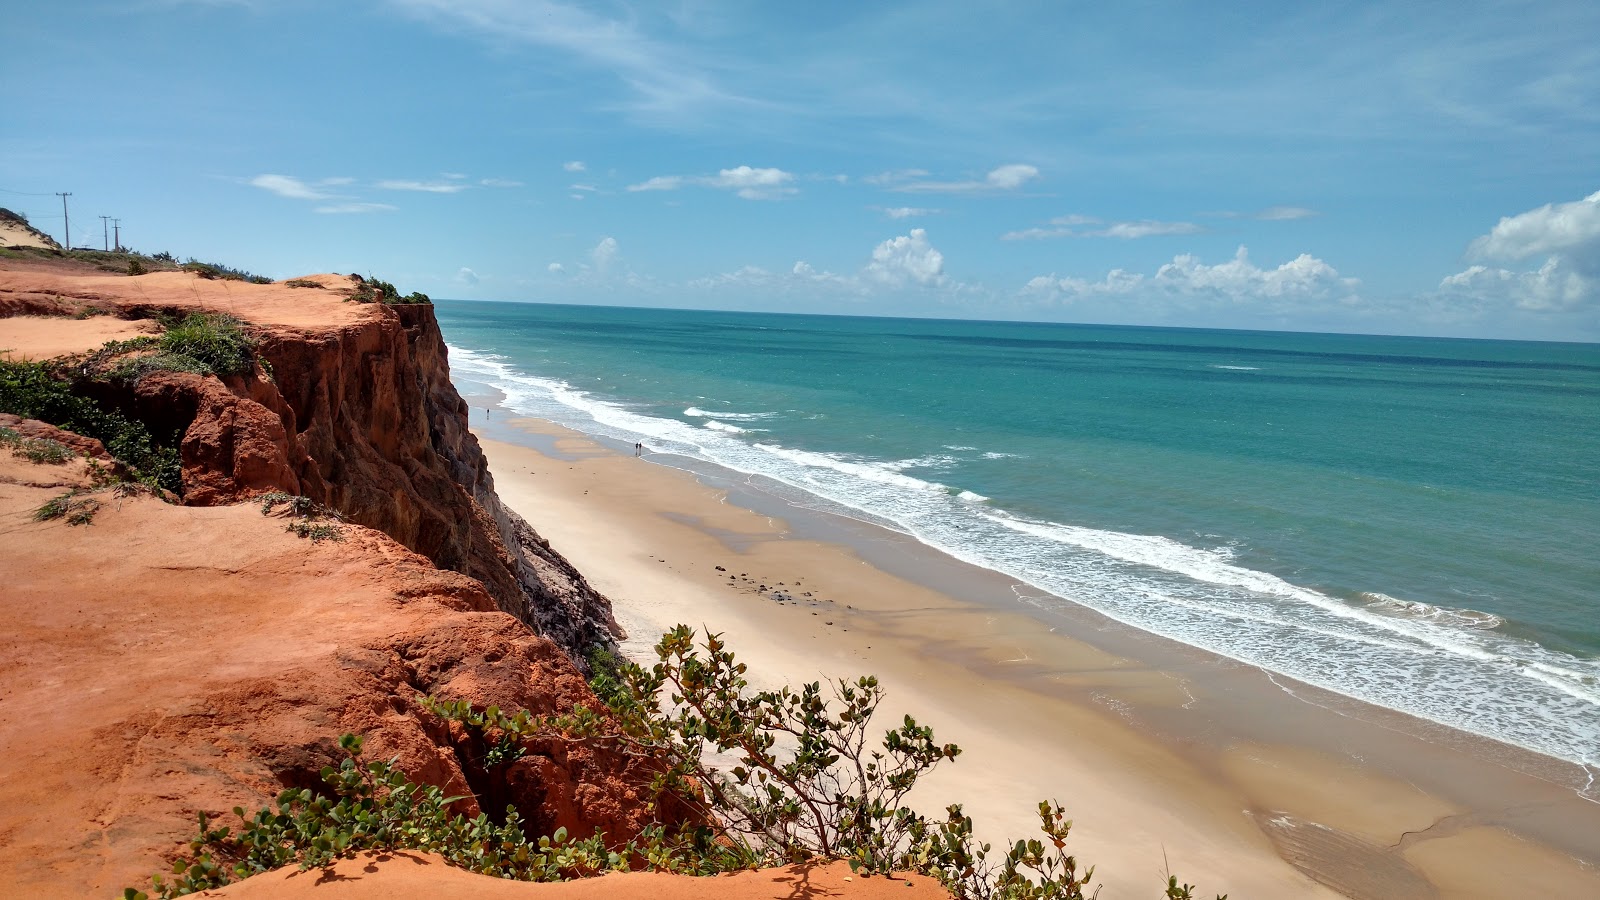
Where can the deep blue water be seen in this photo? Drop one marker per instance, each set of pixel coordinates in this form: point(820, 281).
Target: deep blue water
point(1410, 521)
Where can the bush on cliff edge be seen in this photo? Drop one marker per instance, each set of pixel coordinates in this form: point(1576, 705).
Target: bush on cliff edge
point(808, 783)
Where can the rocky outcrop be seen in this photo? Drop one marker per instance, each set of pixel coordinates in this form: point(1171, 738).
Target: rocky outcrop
point(353, 408)
point(170, 660)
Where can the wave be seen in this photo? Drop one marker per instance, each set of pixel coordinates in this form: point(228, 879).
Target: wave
point(1452, 666)
point(738, 417)
point(1236, 368)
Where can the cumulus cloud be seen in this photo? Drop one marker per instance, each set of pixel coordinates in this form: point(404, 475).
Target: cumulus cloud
point(575, 166)
point(466, 276)
point(604, 254)
point(427, 187)
point(1073, 226)
point(748, 182)
point(556, 268)
point(342, 208)
point(288, 186)
point(904, 262)
point(908, 258)
point(1552, 228)
point(1567, 235)
point(1188, 282)
point(1008, 177)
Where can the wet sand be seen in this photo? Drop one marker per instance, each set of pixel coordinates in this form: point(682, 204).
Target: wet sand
point(1165, 756)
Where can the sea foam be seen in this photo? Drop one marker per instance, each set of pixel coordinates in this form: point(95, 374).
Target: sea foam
point(1454, 667)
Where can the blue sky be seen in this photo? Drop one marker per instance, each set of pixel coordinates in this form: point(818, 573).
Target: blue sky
point(1412, 168)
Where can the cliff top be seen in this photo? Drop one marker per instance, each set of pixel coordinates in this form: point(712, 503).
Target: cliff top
point(71, 287)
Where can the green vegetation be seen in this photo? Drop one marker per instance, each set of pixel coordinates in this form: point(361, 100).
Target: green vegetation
point(72, 506)
point(808, 783)
point(201, 343)
point(304, 512)
point(215, 341)
point(39, 450)
point(371, 290)
point(28, 390)
point(135, 267)
point(213, 271)
point(304, 283)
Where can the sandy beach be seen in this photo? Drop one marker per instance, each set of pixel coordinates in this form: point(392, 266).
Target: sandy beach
point(1165, 757)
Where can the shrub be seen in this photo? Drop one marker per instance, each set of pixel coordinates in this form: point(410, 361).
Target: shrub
point(825, 793)
point(28, 390)
point(39, 450)
point(136, 268)
point(316, 532)
point(372, 290)
point(76, 509)
point(374, 807)
point(214, 341)
point(304, 283)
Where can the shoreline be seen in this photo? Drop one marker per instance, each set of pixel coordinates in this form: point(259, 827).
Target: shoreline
point(1156, 749)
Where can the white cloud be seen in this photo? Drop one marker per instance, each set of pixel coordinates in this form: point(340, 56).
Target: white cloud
point(500, 183)
point(1566, 234)
point(748, 182)
point(1004, 178)
point(907, 258)
point(1270, 214)
point(1552, 228)
point(1296, 286)
point(556, 268)
point(575, 166)
point(428, 187)
point(604, 254)
point(754, 184)
point(1553, 287)
point(895, 177)
point(466, 276)
point(1070, 226)
point(905, 262)
point(582, 187)
point(908, 212)
point(288, 186)
point(667, 81)
point(1011, 177)
point(355, 208)
point(659, 183)
point(1145, 228)
point(1284, 213)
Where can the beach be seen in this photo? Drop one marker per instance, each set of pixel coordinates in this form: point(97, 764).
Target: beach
point(1166, 758)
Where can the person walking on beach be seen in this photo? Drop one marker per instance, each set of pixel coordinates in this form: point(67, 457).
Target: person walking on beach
point(638, 449)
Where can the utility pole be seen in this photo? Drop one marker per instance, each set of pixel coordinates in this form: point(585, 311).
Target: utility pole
point(117, 225)
point(65, 223)
point(105, 233)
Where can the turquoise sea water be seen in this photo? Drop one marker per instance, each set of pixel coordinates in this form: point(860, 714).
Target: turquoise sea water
point(1409, 521)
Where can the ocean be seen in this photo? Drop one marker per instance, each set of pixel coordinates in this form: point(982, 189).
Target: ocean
point(1412, 522)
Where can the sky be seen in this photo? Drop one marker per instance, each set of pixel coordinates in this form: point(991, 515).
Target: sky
point(1403, 168)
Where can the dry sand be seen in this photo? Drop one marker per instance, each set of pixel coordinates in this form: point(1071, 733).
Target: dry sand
point(43, 337)
point(1145, 758)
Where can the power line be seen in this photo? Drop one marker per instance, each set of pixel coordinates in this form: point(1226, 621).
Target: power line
point(25, 193)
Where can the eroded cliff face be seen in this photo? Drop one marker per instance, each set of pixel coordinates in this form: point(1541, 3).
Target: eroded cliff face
point(168, 660)
point(354, 408)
